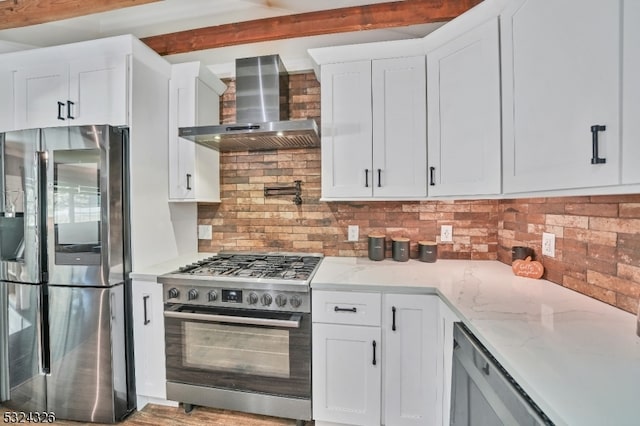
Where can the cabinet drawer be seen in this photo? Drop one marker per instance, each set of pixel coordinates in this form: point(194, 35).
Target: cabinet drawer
point(342, 307)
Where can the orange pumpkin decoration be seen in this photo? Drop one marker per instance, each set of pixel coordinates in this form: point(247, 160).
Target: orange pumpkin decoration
point(527, 268)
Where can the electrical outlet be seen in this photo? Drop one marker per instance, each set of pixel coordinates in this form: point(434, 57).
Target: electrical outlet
point(353, 232)
point(548, 244)
point(205, 232)
point(446, 233)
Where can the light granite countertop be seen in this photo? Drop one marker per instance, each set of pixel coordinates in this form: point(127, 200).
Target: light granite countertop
point(151, 273)
point(578, 358)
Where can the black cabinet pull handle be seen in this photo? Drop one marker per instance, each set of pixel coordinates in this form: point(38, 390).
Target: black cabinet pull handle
point(60, 106)
point(393, 321)
point(69, 105)
point(366, 178)
point(379, 178)
point(432, 172)
point(144, 305)
point(594, 144)
point(485, 369)
point(339, 309)
point(374, 352)
point(188, 182)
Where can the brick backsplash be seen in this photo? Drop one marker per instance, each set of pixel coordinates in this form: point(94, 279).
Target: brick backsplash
point(597, 238)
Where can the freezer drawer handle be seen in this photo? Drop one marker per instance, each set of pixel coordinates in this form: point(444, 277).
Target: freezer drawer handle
point(594, 144)
point(339, 309)
point(144, 305)
point(60, 106)
point(293, 322)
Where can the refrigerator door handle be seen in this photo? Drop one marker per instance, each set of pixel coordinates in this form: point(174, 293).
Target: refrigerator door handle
point(44, 326)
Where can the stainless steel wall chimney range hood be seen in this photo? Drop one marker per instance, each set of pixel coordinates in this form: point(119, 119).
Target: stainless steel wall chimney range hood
point(262, 113)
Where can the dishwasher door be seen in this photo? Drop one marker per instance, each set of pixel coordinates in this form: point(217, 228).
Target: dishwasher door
point(483, 393)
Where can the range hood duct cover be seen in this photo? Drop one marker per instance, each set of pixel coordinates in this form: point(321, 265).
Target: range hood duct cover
point(262, 113)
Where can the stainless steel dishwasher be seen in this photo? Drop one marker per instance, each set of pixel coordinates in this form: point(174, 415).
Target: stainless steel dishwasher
point(483, 393)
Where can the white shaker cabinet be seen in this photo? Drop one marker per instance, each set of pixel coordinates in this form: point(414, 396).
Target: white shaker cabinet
point(373, 129)
point(463, 110)
point(375, 358)
point(148, 334)
point(410, 354)
point(631, 93)
point(559, 80)
point(194, 99)
point(72, 92)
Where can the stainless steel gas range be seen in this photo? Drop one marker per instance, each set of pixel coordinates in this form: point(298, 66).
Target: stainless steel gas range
point(238, 333)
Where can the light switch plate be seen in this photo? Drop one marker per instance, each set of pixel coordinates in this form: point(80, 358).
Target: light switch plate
point(205, 232)
point(548, 244)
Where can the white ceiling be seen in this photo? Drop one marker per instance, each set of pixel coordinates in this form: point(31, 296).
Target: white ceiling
point(177, 15)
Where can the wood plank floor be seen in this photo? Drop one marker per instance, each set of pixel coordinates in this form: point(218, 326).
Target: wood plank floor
point(157, 415)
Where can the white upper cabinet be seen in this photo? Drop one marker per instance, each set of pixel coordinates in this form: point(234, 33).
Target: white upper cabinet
point(194, 97)
point(631, 93)
point(561, 70)
point(463, 110)
point(399, 128)
point(76, 92)
point(346, 135)
point(373, 129)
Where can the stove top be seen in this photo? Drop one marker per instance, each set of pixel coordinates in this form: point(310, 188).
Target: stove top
point(267, 281)
point(279, 266)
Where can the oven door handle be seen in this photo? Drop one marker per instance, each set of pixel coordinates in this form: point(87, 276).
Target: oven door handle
point(292, 322)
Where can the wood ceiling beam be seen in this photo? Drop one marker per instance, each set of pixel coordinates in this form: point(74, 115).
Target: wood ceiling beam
point(358, 18)
point(21, 13)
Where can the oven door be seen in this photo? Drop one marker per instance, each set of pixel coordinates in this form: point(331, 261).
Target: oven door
point(239, 349)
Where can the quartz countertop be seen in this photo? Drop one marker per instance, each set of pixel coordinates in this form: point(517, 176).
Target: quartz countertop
point(151, 273)
point(578, 358)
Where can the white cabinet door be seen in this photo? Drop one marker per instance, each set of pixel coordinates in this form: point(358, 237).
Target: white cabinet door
point(98, 91)
point(410, 324)
point(148, 335)
point(560, 77)
point(41, 95)
point(399, 127)
point(464, 126)
point(88, 91)
point(346, 130)
point(446, 319)
point(346, 379)
point(631, 93)
point(194, 171)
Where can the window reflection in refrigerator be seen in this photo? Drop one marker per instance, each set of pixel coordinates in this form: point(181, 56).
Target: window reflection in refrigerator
point(76, 207)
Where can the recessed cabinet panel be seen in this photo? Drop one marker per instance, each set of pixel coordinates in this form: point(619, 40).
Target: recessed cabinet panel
point(399, 131)
point(346, 379)
point(410, 356)
point(463, 82)
point(346, 130)
point(559, 80)
point(40, 96)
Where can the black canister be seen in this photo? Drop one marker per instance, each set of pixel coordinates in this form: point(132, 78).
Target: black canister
point(521, 253)
point(400, 249)
point(376, 246)
point(427, 251)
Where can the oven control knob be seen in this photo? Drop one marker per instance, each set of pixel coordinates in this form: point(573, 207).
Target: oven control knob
point(253, 298)
point(213, 295)
point(266, 299)
point(281, 300)
point(193, 294)
point(174, 293)
point(295, 301)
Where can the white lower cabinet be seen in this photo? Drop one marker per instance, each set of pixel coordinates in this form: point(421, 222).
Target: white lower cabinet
point(148, 335)
point(375, 359)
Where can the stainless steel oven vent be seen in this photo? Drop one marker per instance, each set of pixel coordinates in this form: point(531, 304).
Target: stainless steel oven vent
point(262, 113)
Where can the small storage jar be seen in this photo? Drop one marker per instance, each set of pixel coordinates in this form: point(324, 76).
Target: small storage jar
point(400, 249)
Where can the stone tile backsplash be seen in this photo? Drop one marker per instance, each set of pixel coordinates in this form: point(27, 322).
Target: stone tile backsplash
point(597, 238)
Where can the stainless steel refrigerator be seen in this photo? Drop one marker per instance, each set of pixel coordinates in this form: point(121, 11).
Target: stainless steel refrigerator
point(65, 339)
